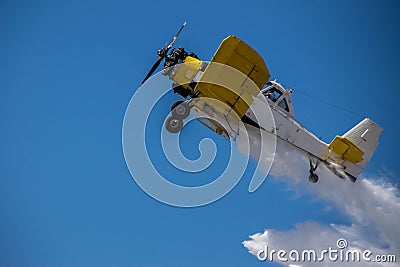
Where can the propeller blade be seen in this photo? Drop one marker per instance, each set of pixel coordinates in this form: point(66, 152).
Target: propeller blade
point(152, 69)
point(162, 53)
point(176, 36)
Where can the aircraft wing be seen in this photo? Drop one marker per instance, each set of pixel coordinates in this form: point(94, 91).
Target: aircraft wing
point(245, 78)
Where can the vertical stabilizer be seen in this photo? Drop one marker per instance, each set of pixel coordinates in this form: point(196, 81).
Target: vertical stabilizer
point(365, 136)
point(352, 151)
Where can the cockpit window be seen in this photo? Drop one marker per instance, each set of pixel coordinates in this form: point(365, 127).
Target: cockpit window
point(272, 94)
point(283, 104)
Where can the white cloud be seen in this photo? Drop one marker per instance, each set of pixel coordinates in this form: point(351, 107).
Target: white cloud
point(371, 205)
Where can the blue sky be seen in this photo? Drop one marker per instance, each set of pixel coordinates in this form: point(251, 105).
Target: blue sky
point(67, 72)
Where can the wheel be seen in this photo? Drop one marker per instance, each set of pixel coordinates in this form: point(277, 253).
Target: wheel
point(180, 110)
point(313, 178)
point(173, 124)
point(174, 105)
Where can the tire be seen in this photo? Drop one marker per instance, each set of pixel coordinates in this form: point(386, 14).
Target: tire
point(173, 124)
point(180, 110)
point(313, 178)
point(174, 105)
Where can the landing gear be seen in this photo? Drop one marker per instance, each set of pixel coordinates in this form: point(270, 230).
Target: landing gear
point(173, 124)
point(313, 177)
point(180, 110)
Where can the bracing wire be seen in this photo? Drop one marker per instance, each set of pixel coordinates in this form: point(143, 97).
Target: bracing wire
point(329, 103)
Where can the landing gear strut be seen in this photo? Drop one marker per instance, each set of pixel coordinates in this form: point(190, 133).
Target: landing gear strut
point(313, 177)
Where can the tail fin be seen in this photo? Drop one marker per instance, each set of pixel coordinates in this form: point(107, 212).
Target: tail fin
point(357, 146)
point(365, 135)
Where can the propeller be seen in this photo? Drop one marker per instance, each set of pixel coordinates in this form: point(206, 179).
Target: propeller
point(162, 53)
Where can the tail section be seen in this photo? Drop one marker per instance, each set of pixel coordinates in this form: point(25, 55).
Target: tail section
point(355, 148)
point(366, 136)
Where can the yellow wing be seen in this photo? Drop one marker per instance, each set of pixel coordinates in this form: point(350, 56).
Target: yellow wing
point(238, 81)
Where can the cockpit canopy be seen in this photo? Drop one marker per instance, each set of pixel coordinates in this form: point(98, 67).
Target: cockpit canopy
point(278, 97)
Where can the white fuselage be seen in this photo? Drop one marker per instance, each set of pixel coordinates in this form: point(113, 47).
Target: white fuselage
point(291, 131)
point(287, 129)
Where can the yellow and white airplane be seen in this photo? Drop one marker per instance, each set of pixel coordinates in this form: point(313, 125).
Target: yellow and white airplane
point(216, 89)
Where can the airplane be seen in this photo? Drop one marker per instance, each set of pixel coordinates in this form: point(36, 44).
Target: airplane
point(346, 155)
